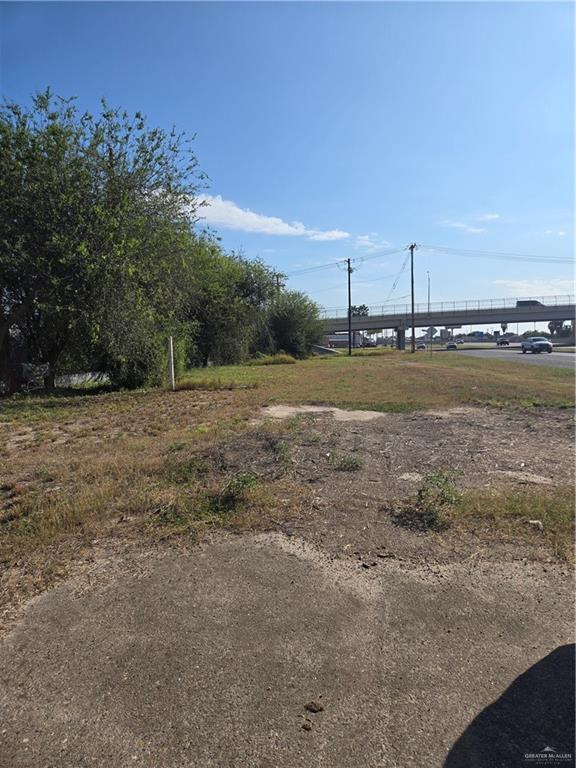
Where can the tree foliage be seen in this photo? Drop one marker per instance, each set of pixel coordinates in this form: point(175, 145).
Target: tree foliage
point(294, 323)
point(100, 259)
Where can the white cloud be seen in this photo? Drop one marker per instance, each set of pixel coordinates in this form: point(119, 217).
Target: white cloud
point(463, 226)
point(555, 232)
point(544, 287)
point(487, 217)
point(467, 226)
point(225, 213)
point(371, 243)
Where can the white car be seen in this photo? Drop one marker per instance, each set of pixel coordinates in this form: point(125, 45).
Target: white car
point(536, 344)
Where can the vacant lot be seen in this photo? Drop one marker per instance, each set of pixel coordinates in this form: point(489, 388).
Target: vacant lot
point(86, 465)
point(394, 564)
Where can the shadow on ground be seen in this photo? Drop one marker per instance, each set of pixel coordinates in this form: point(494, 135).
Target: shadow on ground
point(534, 714)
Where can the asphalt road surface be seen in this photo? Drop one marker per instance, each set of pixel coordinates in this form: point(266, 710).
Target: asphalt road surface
point(514, 355)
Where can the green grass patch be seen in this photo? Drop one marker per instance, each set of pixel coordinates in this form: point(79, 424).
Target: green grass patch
point(391, 382)
point(279, 359)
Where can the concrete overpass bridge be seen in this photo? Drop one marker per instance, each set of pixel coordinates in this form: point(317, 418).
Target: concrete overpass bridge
point(454, 313)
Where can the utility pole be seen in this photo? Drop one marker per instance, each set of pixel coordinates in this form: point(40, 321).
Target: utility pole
point(349, 270)
point(412, 246)
point(428, 273)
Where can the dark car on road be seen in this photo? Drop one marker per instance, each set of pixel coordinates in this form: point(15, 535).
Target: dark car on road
point(502, 343)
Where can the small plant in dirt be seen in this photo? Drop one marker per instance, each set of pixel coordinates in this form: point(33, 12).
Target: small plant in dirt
point(280, 449)
point(346, 463)
point(436, 495)
point(183, 472)
point(233, 493)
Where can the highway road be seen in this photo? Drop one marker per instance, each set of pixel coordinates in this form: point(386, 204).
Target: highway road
point(513, 354)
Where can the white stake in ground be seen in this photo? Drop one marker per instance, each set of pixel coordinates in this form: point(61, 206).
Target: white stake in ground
point(171, 363)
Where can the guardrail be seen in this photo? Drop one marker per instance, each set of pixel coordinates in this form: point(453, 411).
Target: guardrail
point(470, 305)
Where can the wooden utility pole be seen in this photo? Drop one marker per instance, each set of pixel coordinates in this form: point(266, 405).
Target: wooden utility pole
point(412, 247)
point(349, 270)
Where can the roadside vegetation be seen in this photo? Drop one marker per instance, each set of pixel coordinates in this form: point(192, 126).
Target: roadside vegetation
point(104, 256)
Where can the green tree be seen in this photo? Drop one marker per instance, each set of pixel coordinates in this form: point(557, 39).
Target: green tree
point(361, 310)
point(294, 323)
point(93, 217)
point(226, 300)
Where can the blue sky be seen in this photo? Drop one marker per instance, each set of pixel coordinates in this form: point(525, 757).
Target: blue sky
point(335, 130)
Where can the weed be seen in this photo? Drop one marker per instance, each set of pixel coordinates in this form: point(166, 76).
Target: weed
point(280, 448)
point(438, 489)
point(434, 498)
point(233, 493)
point(346, 463)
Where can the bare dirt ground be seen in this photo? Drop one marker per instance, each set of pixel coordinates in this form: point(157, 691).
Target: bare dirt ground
point(433, 648)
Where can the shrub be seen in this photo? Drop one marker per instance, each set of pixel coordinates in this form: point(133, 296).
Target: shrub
point(436, 495)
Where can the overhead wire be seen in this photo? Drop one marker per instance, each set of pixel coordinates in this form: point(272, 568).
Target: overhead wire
point(340, 262)
point(500, 255)
point(398, 276)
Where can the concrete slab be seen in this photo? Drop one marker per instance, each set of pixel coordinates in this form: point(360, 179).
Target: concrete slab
point(206, 658)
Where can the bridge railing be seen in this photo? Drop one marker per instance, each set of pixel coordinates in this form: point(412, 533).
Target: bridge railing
point(469, 305)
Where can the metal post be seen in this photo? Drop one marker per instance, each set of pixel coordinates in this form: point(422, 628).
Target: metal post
point(428, 273)
point(412, 320)
point(171, 363)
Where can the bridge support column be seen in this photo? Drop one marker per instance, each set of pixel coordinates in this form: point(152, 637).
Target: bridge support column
point(400, 338)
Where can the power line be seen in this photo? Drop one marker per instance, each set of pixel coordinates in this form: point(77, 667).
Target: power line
point(500, 255)
point(331, 265)
point(398, 276)
point(341, 263)
point(466, 252)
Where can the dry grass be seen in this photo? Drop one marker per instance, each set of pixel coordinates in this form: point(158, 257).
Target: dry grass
point(83, 466)
point(506, 512)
